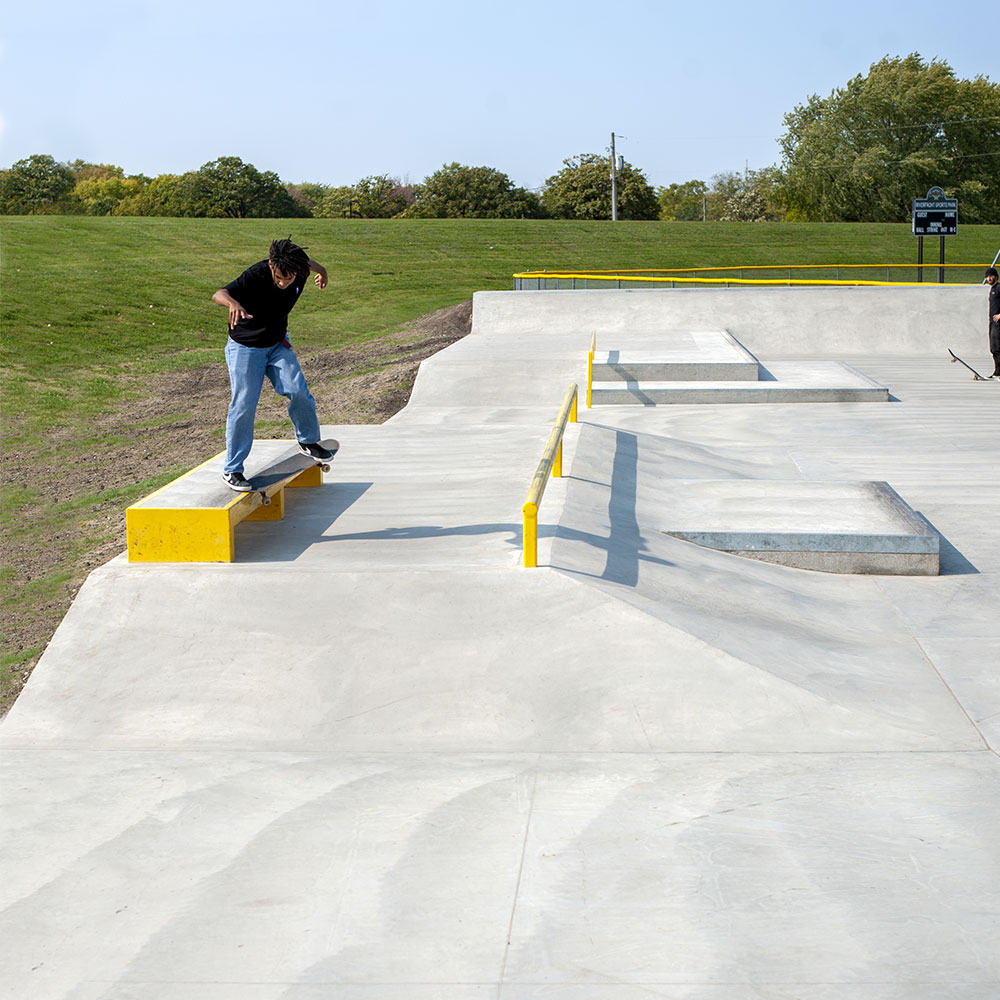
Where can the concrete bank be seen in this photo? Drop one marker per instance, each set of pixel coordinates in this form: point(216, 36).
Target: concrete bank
point(820, 321)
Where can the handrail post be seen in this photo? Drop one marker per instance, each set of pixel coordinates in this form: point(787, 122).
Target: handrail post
point(530, 516)
point(590, 367)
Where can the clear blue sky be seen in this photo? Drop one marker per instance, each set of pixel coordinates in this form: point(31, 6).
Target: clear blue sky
point(333, 92)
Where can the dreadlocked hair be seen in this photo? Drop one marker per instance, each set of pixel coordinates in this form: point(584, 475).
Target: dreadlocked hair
point(289, 258)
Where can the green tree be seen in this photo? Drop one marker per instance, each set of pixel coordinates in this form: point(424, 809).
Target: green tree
point(104, 195)
point(381, 197)
point(37, 186)
point(750, 196)
point(335, 203)
point(460, 192)
point(165, 194)
point(307, 193)
point(582, 190)
point(725, 187)
point(230, 188)
point(863, 153)
point(84, 171)
point(682, 202)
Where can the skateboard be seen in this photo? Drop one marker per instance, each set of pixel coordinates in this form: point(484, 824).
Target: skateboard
point(275, 476)
point(975, 375)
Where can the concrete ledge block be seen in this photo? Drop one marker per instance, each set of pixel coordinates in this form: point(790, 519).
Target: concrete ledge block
point(864, 528)
point(784, 382)
point(698, 356)
point(193, 518)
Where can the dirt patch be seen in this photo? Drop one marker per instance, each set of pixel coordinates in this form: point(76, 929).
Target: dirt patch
point(173, 423)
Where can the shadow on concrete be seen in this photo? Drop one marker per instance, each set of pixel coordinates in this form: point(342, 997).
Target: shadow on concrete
point(624, 545)
point(632, 385)
point(337, 498)
point(625, 541)
point(951, 562)
point(416, 531)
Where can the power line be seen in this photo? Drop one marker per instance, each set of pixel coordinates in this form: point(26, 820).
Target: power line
point(880, 128)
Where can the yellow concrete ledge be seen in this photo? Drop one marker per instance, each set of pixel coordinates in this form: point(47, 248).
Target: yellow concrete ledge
point(193, 519)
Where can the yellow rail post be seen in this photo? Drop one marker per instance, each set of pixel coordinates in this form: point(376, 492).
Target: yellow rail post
point(550, 464)
point(530, 517)
point(590, 367)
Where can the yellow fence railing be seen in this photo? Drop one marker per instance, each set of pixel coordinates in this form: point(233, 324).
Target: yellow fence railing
point(550, 464)
point(795, 274)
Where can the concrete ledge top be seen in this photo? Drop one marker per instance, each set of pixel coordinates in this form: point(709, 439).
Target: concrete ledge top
point(203, 487)
point(817, 509)
point(696, 347)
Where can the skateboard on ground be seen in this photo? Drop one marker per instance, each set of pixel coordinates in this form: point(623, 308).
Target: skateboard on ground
point(975, 375)
point(274, 477)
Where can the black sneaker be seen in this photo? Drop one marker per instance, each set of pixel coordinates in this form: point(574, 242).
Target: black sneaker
point(316, 451)
point(237, 481)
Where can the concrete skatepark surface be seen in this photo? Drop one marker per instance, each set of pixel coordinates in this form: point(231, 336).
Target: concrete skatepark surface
point(376, 758)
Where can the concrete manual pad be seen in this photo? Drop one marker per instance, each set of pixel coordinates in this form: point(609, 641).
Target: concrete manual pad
point(833, 527)
point(375, 759)
point(695, 356)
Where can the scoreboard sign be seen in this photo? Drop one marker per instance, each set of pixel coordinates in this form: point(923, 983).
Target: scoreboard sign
point(935, 215)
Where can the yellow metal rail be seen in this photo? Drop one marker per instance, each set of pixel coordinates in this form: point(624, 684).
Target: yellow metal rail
point(551, 464)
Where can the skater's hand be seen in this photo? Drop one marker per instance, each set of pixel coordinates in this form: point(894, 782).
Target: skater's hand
point(236, 313)
point(320, 273)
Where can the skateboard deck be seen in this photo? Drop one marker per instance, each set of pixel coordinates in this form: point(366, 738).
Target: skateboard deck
point(276, 476)
point(975, 375)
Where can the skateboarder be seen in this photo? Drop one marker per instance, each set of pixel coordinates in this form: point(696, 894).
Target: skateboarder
point(994, 311)
point(259, 302)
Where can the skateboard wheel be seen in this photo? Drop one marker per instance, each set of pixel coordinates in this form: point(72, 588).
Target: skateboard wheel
point(325, 466)
point(266, 501)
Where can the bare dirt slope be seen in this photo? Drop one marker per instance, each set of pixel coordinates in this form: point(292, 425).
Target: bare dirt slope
point(361, 384)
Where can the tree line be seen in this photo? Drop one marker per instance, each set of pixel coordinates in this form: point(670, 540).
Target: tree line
point(230, 188)
point(859, 155)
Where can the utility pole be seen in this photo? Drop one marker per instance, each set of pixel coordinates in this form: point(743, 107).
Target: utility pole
point(614, 181)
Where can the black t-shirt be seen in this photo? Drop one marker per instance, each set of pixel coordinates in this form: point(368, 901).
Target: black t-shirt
point(267, 304)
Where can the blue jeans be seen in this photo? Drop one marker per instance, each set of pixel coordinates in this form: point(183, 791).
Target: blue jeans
point(247, 368)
